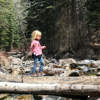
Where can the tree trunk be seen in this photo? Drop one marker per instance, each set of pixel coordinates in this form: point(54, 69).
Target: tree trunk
point(63, 79)
point(50, 89)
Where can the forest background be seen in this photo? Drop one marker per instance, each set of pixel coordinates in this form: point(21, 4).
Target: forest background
point(69, 27)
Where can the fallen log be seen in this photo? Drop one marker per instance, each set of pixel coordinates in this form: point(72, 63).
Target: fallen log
point(50, 89)
point(54, 85)
point(10, 78)
point(95, 44)
point(53, 71)
point(93, 80)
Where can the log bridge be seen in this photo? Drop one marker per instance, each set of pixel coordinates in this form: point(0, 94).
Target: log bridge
point(50, 85)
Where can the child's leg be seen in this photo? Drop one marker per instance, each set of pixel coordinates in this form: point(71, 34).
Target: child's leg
point(42, 63)
point(35, 64)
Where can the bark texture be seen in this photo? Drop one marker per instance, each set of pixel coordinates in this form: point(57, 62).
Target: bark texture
point(51, 89)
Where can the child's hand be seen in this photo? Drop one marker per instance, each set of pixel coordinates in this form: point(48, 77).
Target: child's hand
point(44, 47)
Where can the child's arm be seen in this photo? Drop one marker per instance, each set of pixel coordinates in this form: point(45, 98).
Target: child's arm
point(43, 47)
point(32, 45)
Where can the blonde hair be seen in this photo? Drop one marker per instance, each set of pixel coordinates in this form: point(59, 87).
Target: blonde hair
point(34, 34)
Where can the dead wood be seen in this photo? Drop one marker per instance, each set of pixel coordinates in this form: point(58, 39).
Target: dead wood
point(49, 79)
point(53, 71)
point(95, 45)
point(50, 89)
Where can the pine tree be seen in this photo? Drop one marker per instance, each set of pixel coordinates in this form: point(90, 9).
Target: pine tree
point(9, 35)
point(93, 14)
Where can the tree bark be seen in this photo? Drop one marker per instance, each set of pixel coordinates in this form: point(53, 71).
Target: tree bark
point(50, 85)
point(50, 89)
point(52, 71)
point(63, 79)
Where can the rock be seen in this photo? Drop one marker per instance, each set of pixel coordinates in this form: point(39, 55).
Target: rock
point(57, 66)
point(62, 62)
point(50, 65)
point(16, 61)
point(66, 66)
point(15, 72)
point(22, 58)
point(83, 68)
point(3, 96)
point(3, 61)
point(96, 63)
point(10, 58)
point(2, 69)
point(54, 61)
point(24, 97)
point(98, 74)
point(46, 61)
point(69, 73)
point(94, 98)
point(86, 62)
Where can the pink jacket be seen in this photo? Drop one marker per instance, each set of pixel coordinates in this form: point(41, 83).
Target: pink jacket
point(37, 49)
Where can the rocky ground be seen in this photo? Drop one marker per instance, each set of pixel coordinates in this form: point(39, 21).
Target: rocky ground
point(19, 63)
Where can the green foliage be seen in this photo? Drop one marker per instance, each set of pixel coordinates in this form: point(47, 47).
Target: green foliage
point(93, 14)
point(42, 15)
point(9, 35)
point(4, 39)
point(2, 2)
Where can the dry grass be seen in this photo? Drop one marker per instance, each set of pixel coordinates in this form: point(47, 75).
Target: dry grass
point(3, 58)
point(3, 52)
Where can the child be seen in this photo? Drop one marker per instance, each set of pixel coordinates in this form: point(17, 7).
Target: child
point(36, 51)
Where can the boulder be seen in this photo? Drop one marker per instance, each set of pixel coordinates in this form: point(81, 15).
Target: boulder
point(62, 62)
point(86, 62)
point(3, 61)
point(96, 63)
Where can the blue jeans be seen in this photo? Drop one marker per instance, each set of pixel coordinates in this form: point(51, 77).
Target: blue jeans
point(36, 59)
